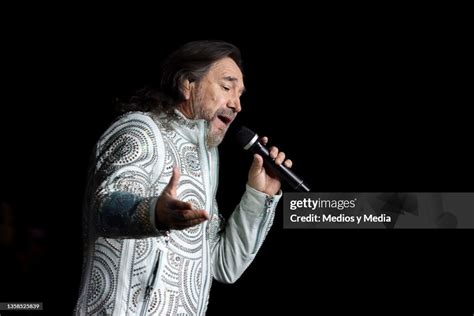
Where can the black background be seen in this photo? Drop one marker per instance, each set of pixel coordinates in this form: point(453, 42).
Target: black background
point(360, 102)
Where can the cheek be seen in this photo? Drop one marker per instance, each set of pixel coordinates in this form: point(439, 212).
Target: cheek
point(212, 102)
point(215, 102)
point(221, 101)
point(216, 99)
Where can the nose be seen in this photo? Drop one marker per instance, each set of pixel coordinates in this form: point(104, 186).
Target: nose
point(234, 104)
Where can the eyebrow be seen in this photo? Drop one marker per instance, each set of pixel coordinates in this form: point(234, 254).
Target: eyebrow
point(234, 79)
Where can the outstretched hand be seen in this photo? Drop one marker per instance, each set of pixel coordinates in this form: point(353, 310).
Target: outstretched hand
point(259, 178)
point(171, 213)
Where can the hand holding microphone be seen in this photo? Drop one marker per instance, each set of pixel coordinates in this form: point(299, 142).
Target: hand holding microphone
point(269, 165)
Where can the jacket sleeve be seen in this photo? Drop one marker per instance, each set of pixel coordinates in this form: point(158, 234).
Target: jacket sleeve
point(127, 157)
point(239, 241)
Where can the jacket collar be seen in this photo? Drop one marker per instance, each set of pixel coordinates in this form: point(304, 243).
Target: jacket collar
point(188, 128)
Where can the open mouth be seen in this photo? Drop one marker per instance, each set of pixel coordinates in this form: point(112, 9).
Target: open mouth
point(226, 120)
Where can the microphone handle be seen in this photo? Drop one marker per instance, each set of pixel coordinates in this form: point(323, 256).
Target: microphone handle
point(281, 171)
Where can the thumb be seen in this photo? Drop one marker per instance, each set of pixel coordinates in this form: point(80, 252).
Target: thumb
point(256, 166)
point(173, 184)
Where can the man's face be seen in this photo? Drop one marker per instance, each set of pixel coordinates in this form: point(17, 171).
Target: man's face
point(217, 98)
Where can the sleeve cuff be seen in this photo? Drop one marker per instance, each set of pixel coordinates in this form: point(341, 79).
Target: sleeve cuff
point(152, 206)
point(254, 201)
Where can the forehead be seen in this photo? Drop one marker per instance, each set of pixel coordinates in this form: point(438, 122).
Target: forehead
point(226, 67)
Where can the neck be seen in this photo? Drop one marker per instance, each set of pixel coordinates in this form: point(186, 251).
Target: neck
point(187, 110)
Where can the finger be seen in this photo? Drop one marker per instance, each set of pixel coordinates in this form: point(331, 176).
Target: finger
point(273, 152)
point(183, 223)
point(280, 158)
point(196, 221)
point(195, 214)
point(188, 214)
point(187, 224)
point(173, 184)
point(264, 140)
point(288, 163)
point(256, 166)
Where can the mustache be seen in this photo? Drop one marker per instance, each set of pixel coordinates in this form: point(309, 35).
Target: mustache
point(225, 112)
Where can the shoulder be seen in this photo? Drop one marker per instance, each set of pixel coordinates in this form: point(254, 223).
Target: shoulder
point(132, 136)
point(132, 119)
point(131, 125)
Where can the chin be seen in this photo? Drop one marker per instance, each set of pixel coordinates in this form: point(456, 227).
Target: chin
point(215, 137)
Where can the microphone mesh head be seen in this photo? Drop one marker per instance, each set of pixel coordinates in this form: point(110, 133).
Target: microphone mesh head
point(244, 136)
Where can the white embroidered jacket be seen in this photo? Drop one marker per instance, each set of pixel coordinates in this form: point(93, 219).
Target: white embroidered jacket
point(130, 267)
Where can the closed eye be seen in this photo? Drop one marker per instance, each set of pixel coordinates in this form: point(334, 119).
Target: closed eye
point(226, 88)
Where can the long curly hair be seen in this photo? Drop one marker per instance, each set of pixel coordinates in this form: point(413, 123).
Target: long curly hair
point(189, 62)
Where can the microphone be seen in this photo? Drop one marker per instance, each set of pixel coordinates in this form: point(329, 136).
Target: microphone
point(249, 141)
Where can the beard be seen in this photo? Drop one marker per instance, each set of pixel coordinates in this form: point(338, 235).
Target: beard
point(214, 135)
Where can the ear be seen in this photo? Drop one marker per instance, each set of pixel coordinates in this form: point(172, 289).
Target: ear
point(187, 88)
